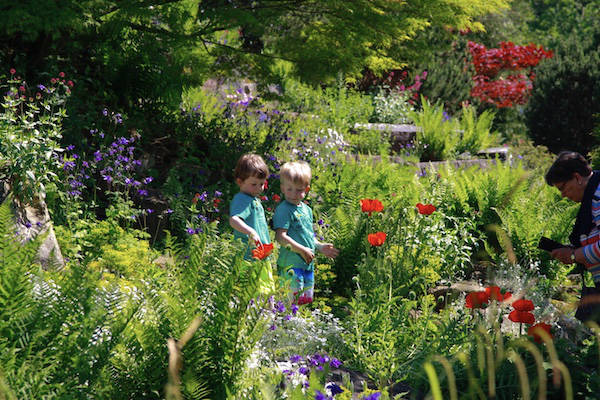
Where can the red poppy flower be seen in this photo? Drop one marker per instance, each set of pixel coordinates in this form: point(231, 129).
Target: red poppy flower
point(426, 209)
point(262, 251)
point(264, 198)
point(523, 317)
point(476, 299)
point(266, 184)
point(13, 71)
point(494, 293)
point(376, 239)
point(523, 305)
point(216, 202)
point(276, 198)
point(371, 205)
point(535, 329)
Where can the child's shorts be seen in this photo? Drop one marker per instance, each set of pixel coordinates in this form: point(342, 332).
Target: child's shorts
point(301, 281)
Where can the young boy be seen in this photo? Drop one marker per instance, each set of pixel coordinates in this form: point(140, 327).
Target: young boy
point(247, 216)
point(293, 224)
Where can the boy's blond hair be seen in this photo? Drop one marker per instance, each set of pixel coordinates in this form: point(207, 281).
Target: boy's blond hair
point(297, 172)
point(250, 165)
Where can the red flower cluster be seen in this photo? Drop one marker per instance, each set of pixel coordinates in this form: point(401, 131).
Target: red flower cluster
point(276, 198)
point(489, 63)
point(376, 239)
point(483, 297)
point(522, 312)
point(262, 251)
point(371, 205)
point(425, 209)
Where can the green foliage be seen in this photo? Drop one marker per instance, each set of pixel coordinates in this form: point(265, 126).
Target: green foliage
point(338, 106)
point(562, 83)
point(475, 131)
point(444, 138)
point(30, 130)
point(437, 138)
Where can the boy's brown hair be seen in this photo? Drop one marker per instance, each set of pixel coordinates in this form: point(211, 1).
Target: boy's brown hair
point(250, 165)
point(297, 172)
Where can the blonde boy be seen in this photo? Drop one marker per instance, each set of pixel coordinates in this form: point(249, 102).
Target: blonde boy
point(247, 216)
point(293, 224)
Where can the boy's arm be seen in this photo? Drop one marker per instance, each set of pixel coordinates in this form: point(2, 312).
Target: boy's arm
point(282, 237)
point(327, 249)
point(239, 225)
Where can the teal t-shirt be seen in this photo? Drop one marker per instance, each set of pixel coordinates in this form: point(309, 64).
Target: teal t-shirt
point(250, 209)
point(298, 220)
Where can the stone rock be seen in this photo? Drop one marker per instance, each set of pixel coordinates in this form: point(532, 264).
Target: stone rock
point(34, 220)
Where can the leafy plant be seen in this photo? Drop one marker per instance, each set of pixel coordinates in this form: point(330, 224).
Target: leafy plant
point(30, 130)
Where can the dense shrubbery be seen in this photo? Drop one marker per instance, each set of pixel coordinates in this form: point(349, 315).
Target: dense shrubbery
point(563, 110)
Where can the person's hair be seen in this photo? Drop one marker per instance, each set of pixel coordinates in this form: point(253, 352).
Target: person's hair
point(250, 165)
point(566, 164)
point(297, 172)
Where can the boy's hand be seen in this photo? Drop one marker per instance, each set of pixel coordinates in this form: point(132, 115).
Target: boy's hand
point(306, 254)
point(328, 250)
point(254, 238)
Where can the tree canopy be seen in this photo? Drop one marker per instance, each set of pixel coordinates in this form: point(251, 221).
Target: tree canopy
point(320, 38)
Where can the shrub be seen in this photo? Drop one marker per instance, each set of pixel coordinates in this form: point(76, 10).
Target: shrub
point(566, 97)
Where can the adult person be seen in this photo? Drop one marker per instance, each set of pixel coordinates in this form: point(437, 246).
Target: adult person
point(572, 175)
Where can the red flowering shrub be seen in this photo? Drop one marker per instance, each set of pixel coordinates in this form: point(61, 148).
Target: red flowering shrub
point(504, 91)
point(376, 239)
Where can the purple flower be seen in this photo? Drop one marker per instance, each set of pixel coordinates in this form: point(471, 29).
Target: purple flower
point(107, 178)
point(303, 370)
point(320, 396)
point(373, 396)
point(169, 211)
point(148, 180)
point(70, 147)
point(191, 231)
point(149, 210)
point(273, 327)
point(203, 196)
point(280, 307)
point(105, 112)
point(287, 317)
point(334, 389)
point(218, 194)
point(320, 222)
point(294, 309)
point(143, 192)
point(28, 224)
point(295, 358)
point(335, 363)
